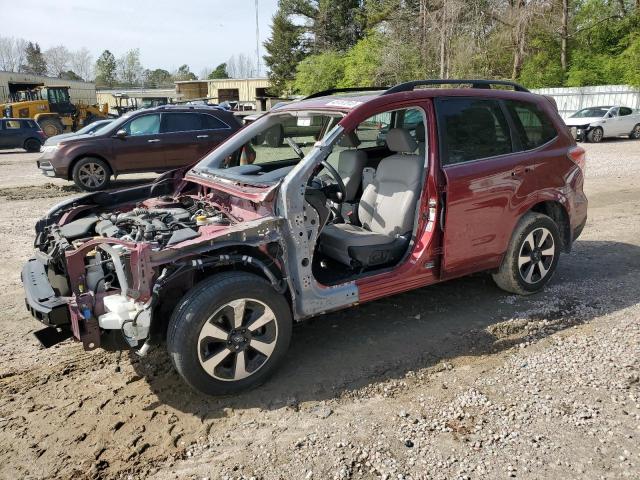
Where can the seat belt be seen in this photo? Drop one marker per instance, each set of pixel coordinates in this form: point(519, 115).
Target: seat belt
point(368, 175)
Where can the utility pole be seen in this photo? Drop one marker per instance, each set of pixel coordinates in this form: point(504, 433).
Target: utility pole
point(257, 43)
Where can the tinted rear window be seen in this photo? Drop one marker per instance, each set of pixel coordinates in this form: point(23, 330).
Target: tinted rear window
point(180, 122)
point(532, 126)
point(471, 129)
point(212, 123)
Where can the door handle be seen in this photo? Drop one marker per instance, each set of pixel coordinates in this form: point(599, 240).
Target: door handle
point(519, 171)
point(154, 140)
point(202, 136)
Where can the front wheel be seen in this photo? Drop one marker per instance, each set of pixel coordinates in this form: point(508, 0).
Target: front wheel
point(532, 255)
point(91, 174)
point(32, 145)
point(229, 333)
point(635, 133)
point(595, 135)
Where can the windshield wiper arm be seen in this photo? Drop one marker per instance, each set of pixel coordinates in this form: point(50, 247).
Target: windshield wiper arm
point(295, 146)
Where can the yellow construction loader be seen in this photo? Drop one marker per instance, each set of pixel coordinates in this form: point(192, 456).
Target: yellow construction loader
point(51, 107)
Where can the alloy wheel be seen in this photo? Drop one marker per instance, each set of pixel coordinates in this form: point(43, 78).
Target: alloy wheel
point(92, 175)
point(237, 340)
point(597, 135)
point(536, 255)
point(636, 132)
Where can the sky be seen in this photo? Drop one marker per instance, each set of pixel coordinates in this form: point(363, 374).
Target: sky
point(169, 33)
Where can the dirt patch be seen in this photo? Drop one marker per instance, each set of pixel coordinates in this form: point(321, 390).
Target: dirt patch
point(48, 190)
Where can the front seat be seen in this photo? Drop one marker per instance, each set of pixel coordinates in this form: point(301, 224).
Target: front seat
point(386, 210)
point(351, 162)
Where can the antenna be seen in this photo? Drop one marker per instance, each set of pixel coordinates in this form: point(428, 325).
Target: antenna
point(257, 43)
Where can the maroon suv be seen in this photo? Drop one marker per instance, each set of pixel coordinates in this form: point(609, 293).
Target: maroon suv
point(401, 189)
point(150, 140)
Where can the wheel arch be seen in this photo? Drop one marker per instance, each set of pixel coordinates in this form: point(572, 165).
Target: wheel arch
point(79, 157)
point(558, 213)
point(31, 138)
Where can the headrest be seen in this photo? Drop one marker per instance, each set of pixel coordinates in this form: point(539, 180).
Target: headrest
point(420, 132)
point(349, 140)
point(399, 140)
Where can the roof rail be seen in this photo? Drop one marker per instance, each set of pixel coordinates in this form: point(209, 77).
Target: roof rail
point(331, 91)
point(409, 86)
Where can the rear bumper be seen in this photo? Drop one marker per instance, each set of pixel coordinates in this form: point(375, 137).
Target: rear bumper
point(40, 298)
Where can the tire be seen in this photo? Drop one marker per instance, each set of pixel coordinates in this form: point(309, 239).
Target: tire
point(635, 133)
point(91, 174)
point(275, 136)
point(519, 275)
point(51, 126)
point(258, 140)
point(209, 364)
point(595, 135)
point(32, 145)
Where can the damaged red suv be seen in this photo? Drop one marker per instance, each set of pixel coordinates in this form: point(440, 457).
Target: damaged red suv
point(402, 188)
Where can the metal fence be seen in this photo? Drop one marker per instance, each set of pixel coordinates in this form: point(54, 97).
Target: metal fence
point(572, 99)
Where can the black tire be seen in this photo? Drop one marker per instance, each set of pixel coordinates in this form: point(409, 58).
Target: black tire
point(635, 133)
point(51, 126)
point(595, 135)
point(512, 275)
point(32, 145)
point(275, 136)
point(83, 178)
point(257, 140)
point(188, 349)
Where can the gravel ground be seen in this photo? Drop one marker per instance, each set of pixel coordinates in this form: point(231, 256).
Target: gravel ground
point(453, 381)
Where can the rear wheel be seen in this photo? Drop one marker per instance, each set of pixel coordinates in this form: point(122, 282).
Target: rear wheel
point(229, 333)
point(91, 174)
point(532, 255)
point(32, 145)
point(51, 126)
point(595, 135)
point(635, 133)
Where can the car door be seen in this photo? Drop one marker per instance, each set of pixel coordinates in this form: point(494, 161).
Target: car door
point(141, 147)
point(612, 123)
point(627, 120)
point(215, 131)
point(485, 182)
point(180, 131)
point(11, 134)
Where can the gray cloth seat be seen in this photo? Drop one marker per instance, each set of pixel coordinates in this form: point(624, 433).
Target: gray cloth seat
point(386, 210)
point(350, 165)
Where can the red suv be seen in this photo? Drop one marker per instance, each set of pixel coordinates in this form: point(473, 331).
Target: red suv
point(405, 188)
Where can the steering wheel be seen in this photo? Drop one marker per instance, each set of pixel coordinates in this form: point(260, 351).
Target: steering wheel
point(342, 190)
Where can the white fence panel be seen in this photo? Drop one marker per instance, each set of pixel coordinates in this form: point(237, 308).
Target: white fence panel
point(572, 99)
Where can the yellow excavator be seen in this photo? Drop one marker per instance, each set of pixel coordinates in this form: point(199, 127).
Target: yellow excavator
point(51, 107)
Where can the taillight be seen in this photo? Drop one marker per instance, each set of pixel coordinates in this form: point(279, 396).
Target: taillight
point(578, 155)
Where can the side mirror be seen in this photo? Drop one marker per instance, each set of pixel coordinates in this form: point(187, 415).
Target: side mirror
point(121, 134)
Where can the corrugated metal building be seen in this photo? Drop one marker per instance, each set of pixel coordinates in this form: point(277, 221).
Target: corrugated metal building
point(11, 82)
point(572, 99)
point(243, 90)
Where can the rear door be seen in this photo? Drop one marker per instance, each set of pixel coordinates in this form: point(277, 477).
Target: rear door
point(12, 134)
point(142, 148)
point(215, 131)
point(180, 132)
point(486, 182)
point(627, 120)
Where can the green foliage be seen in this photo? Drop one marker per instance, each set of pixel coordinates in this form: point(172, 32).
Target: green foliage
point(219, 72)
point(284, 51)
point(362, 63)
point(70, 75)
point(157, 78)
point(106, 69)
point(36, 63)
point(319, 72)
point(184, 73)
point(630, 61)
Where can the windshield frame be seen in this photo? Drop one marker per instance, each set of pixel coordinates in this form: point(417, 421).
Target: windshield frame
point(204, 168)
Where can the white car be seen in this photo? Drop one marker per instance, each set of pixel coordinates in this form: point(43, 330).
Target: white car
point(595, 123)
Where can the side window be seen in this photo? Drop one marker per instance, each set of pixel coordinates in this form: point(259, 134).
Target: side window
point(12, 124)
point(181, 122)
point(471, 129)
point(145, 125)
point(625, 111)
point(533, 128)
point(210, 122)
point(371, 132)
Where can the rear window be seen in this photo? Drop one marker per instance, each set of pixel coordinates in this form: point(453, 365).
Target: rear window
point(625, 111)
point(212, 123)
point(471, 129)
point(12, 124)
point(181, 122)
point(532, 126)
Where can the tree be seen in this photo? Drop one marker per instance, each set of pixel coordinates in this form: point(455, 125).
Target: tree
point(106, 69)
point(12, 53)
point(157, 78)
point(363, 62)
point(219, 72)
point(319, 72)
point(58, 59)
point(35, 62)
point(129, 68)
point(241, 66)
point(284, 51)
point(81, 63)
point(70, 75)
point(183, 73)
